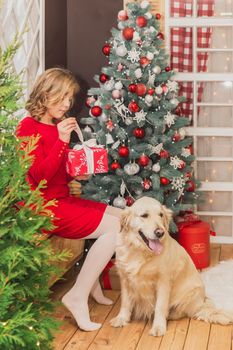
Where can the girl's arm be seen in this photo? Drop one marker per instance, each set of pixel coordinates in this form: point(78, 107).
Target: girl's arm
point(44, 166)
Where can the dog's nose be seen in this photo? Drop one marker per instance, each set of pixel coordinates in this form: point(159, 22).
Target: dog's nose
point(159, 232)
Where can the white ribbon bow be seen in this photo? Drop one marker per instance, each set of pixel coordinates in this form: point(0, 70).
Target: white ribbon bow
point(86, 146)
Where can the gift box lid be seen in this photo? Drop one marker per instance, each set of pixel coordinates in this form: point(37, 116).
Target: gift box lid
point(194, 227)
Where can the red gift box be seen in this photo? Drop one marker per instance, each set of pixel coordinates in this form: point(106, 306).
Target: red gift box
point(86, 158)
point(194, 236)
point(109, 278)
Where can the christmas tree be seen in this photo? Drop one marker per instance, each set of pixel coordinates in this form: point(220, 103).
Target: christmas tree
point(135, 113)
point(25, 265)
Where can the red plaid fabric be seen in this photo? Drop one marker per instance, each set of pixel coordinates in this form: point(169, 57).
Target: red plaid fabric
point(181, 8)
point(182, 47)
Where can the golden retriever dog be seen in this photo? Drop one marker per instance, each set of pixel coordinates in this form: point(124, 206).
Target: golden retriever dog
point(158, 278)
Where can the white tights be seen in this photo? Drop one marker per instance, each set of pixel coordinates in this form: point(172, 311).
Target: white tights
point(76, 300)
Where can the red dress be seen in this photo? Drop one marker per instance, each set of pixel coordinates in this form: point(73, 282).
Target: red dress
point(74, 217)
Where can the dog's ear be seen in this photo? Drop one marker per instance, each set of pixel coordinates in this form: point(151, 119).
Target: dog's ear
point(167, 215)
point(125, 219)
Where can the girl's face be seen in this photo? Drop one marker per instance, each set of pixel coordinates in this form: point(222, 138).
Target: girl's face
point(58, 109)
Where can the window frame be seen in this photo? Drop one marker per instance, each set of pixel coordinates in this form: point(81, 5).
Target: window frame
point(195, 78)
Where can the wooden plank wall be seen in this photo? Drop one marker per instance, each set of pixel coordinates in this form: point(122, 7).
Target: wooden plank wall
point(157, 6)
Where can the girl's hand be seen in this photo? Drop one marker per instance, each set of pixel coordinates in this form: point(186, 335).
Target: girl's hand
point(65, 127)
point(75, 188)
point(82, 177)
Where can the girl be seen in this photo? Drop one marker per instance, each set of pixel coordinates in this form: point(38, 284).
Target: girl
point(75, 218)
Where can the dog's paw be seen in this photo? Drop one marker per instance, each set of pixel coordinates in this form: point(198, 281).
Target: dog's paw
point(158, 330)
point(118, 322)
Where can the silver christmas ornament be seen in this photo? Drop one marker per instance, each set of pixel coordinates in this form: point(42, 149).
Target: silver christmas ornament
point(156, 167)
point(131, 168)
point(182, 133)
point(144, 4)
point(103, 117)
point(148, 15)
point(138, 73)
point(119, 202)
point(120, 25)
point(118, 85)
point(150, 56)
point(116, 94)
point(121, 51)
point(158, 90)
point(156, 69)
point(174, 102)
point(128, 121)
point(148, 98)
point(109, 85)
point(87, 130)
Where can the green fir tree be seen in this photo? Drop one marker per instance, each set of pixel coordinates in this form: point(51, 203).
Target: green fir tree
point(25, 264)
point(134, 113)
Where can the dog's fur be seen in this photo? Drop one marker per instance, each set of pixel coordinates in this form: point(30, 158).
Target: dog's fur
point(162, 282)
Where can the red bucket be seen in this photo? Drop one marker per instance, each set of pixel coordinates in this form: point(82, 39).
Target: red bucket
point(195, 238)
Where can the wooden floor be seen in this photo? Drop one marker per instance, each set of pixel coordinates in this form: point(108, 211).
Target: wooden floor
point(184, 334)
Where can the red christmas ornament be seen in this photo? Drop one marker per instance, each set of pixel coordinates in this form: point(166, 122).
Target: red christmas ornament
point(96, 111)
point(110, 125)
point(191, 186)
point(133, 107)
point(164, 153)
point(140, 89)
point(160, 36)
point(157, 16)
point(106, 49)
point(107, 107)
point(150, 91)
point(165, 88)
point(143, 160)
point(122, 15)
point(176, 137)
point(146, 183)
point(141, 21)
point(182, 165)
point(167, 69)
point(164, 181)
point(120, 67)
point(190, 147)
point(103, 78)
point(132, 88)
point(123, 151)
point(115, 165)
point(188, 174)
point(129, 201)
point(139, 133)
point(144, 61)
point(89, 101)
point(128, 33)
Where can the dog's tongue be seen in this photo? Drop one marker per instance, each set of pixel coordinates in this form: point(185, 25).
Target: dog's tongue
point(156, 246)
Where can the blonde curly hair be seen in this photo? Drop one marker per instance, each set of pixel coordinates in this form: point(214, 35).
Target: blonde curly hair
point(50, 88)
